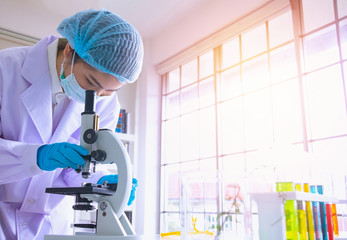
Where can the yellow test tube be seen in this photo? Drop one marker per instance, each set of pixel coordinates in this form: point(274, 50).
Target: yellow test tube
point(309, 215)
point(301, 216)
point(290, 211)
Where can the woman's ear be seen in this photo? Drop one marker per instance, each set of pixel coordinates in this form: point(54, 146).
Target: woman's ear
point(68, 51)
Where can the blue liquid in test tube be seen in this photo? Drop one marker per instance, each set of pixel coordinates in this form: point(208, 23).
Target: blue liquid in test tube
point(316, 217)
point(323, 214)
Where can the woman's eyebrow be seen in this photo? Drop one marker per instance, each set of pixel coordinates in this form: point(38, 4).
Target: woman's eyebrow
point(99, 85)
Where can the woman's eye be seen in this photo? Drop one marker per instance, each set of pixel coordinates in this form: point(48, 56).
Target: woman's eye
point(91, 84)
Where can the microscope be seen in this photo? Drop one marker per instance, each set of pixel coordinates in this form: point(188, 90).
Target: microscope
point(109, 200)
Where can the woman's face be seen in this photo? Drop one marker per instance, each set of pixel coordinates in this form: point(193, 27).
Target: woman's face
point(89, 78)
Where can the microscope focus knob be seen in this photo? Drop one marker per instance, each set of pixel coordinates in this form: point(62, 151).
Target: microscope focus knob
point(99, 155)
point(90, 136)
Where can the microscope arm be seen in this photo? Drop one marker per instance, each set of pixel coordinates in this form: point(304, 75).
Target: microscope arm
point(116, 153)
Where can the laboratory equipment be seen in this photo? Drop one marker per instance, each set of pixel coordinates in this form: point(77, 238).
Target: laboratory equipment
point(109, 200)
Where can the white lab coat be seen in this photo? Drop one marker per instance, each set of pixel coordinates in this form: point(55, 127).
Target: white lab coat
point(26, 211)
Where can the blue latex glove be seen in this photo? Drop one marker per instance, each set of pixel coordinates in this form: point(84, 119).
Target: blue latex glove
point(114, 179)
point(60, 155)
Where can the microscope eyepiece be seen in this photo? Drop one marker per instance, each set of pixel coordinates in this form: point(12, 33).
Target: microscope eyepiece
point(89, 105)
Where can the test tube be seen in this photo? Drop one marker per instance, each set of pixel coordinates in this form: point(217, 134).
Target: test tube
point(325, 216)
point(316, 216)
point(329, 221)
point(301, 216)
point(333, 209)
point(309, 214)
point(290, 211)
point(335, 221)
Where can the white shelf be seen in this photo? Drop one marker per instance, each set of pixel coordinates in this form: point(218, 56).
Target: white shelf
point(275, 196)
point(341, 237)
point(126, 137)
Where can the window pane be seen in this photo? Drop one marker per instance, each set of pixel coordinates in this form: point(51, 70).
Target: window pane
point(207, 165)
point(234, 164)
point(258, 119)
point(190, 136)
point(207, 132)
point(188, 167)
point(231, 126)
point(326, 106)
point(262, 175)
point(279, 34)
point(234, 189)
point(206, 92)
point(171, 141)
point(206, 65)
point(211, 222)
point(189, 98)
point(341, 8)
point(255, 74)
point(201, 190)
point(230, 83)
point(287, 112)
point(317, 15)
point(174, 80)
point(172, 105)
point(283, 63)
point(231, 53)
point(210, 194)
point(321, 49)
point(254, 42)
point(335, 150)
point(343, 38)
point(171, 222)
point(171, 188)
point(189, 72)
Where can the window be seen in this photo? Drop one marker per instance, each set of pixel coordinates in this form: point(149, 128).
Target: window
point(254, 92)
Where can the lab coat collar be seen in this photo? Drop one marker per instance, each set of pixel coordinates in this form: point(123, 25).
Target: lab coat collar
point(37, 98)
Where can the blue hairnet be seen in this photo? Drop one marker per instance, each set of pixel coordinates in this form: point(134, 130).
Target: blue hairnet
point(106, 42)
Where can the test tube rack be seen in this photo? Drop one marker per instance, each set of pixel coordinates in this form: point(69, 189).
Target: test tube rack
point(271, 215)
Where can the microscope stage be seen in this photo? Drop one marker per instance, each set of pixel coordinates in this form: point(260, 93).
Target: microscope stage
point(87, 189)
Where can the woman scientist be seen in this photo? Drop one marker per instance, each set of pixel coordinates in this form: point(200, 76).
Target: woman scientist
point(41, 100)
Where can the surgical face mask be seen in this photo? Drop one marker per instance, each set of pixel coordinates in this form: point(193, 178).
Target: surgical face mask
point(70, 85)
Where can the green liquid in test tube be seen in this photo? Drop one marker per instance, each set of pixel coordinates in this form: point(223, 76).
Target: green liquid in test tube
point(290, 211)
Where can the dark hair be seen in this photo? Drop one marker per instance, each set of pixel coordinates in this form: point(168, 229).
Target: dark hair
point(61, 46)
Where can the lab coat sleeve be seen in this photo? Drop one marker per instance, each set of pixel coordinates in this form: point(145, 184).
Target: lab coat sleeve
point(17, 161)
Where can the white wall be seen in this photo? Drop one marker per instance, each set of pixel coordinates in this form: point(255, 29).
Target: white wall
point(4, 43)
point(147, 143)
point(200, 24)
point(127, 99)
point(28, 18)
